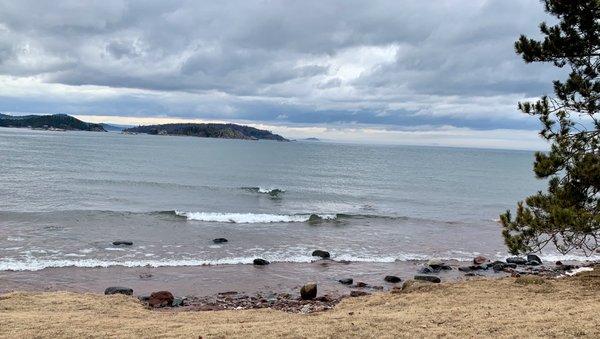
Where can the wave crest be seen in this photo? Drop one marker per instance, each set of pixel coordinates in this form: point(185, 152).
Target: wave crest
point(253, 218)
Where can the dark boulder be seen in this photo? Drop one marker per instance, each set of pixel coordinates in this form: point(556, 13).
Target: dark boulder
point(122, 242)
point(346, 281)
point(392, 279)
point(308, 291)
point(314, 219)
point(465, 269)
point(533, 263)
point(161, 299)
point(429, 278)
point(516, 260)
point(118, 290)
point(533, 257)
point(498, 266)
point(320, 253)
point(360, 284)
point(260, 262)
point(220, 240)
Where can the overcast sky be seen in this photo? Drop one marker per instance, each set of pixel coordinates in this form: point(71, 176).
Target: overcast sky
point(424, 72)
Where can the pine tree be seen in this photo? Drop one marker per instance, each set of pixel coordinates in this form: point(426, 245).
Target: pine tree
point(568, 214)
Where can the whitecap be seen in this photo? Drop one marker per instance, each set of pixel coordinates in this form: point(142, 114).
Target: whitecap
point(251, 218)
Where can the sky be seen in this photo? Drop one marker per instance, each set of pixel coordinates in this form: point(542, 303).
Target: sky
point(379, 71)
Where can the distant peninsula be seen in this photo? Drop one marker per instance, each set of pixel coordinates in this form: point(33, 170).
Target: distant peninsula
point(57, 122)
point(223, 131)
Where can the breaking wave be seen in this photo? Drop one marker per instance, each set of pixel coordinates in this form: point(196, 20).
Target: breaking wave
point(263, 190)
point(253, 218)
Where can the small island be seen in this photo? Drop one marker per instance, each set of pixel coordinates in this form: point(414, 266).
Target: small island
point(223, 131)
point(54, 122)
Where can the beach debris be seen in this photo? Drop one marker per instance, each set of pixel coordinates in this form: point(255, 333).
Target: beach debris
point(277, 301)
point(161, 299)
point(321, 253)
point(429, 278)
point(480, 260)
point(260, 262)
point(118, 290)
point(346, 281)
point(122, 243)
point(392, 279)
point(358, 293)
point(305, 309)
point(576, 271)
point(308, 291)
point(516, 260)
point(220, 240)
point(145, 275)
point(177, 302)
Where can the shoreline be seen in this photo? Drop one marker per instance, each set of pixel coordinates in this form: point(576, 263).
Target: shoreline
point(516, 307)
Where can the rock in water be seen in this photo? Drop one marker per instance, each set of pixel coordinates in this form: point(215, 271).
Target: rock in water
point(220, 240)
point(161, 299)
point(516, 260)
point(533, 257)
point(314, 218)
point(435, 263)
point(122, 242)
point(430, 278)
point(392, 279)
point(480, 260)
point(260, 262)
point(118, 290)
point(346, 281)
point(320, 253)
point(308, 291)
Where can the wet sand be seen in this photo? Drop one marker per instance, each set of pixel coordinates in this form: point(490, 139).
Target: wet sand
point(209, 280)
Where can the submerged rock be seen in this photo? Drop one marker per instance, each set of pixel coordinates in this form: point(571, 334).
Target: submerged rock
point(346, 281)
point(122, 242)
point(118, 290)
point(392, 279)
point(429, 278)
point(360, 284)
point(220, 240)
point(314, 218)
point(321, 253)
point(260, 262)
point(161, 299)
point(308, 291)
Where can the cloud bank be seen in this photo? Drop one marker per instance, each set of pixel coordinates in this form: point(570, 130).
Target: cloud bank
point(404, 65)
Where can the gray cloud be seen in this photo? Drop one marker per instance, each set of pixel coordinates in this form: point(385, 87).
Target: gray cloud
point(382, 62)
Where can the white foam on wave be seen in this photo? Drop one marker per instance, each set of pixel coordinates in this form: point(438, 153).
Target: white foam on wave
point(250, 218)
point(269, 190)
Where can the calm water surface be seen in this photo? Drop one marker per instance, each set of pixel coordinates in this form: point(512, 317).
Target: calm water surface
point(65, 196)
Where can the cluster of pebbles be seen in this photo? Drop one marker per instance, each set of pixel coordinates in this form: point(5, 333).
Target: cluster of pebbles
point(309, 302)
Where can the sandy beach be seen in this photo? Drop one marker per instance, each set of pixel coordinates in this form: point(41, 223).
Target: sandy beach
point(507, 307)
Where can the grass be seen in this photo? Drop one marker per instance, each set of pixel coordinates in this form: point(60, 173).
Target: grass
point(508, 307)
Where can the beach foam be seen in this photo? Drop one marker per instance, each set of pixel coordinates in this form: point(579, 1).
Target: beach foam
point(250, 218)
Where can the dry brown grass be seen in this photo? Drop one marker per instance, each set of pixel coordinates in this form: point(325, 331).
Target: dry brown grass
point(478, 308)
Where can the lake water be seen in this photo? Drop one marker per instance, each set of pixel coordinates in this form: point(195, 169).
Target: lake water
point(65, 196)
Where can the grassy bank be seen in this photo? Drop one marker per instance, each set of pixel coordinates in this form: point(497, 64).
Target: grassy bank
point(505, 307)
